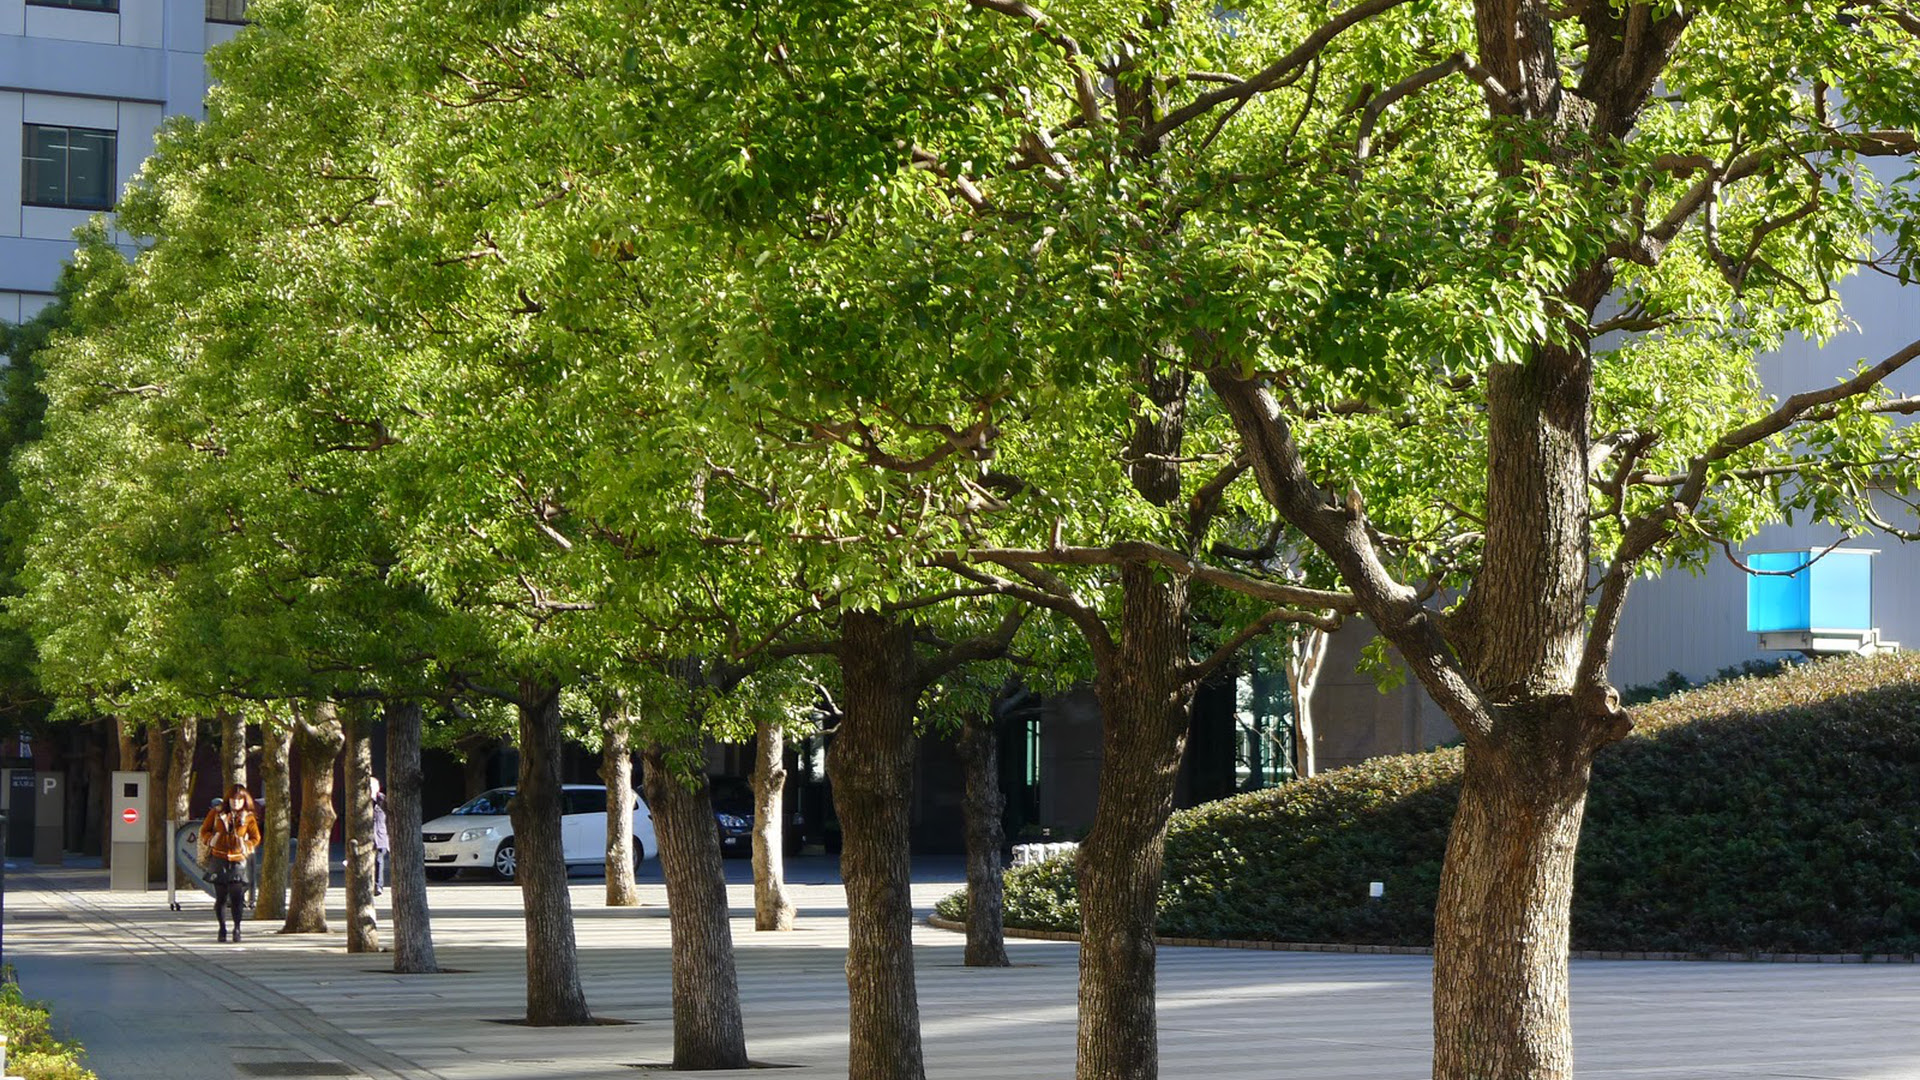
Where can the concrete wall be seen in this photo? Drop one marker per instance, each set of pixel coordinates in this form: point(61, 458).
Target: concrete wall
point(120, 71)
point(1355, 720)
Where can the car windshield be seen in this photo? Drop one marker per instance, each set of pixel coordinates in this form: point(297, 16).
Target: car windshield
point(488, 802)
point(731, 795)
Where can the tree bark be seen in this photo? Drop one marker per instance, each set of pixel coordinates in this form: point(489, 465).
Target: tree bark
point(708, 1032)
point(126, 760)
point(316, 744)
point(1144, 703)
point(616, 771)
point(276, 818)
point(1501, 918)
point(1304, 655)
point(129, 759)
point(412, 924)
point(555, 997)
point(473, 761)
point(233, 748)
point(1505, 666)
point(871, 764)
point(773, 909)
point(180, 770)
point(159, 802)
point(983, 806)
point(362, 935)
point(93, 814)
point(1501, 923)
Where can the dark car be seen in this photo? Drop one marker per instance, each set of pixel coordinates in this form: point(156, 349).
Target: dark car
point(733, 814)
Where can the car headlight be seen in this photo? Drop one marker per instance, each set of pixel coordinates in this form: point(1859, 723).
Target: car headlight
point(731, 821)
point(475, 834)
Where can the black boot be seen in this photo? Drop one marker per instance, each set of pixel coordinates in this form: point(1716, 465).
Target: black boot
point(236, 933)
point(223, 931)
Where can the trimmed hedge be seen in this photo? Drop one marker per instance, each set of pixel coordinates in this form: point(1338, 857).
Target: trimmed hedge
point(1758, 815)
point(32, 1051)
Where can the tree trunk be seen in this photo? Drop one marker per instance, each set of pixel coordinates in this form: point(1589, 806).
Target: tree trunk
point(362, 936)
point(316, 743)
point(276, 818)
point(1501, 921)
point(554, 995)
point(233, 748)
point(1144, 703)
point(186, 741)
point(93, 822)
point(129, 749)
point(412, 925)
point(871, 765)
point(180, 770)
point(708, 1032)
point(474, 750)
point(126, 760)
point(1304, 655)
point(772, 908)
point(159, 802)
point(616, 771)
point(982, 809)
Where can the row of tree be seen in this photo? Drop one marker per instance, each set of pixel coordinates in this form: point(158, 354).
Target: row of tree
point(708, 358)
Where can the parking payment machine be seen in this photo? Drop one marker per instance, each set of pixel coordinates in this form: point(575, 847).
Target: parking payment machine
point(17, 799)
point(130, 808)
point(49, 818)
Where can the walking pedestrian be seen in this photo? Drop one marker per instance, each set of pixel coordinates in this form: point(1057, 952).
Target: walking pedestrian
point(382, 846)
point(231, 832)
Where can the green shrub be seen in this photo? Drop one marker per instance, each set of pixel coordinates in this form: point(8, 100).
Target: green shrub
point(32, 1051)
point(1762, 815)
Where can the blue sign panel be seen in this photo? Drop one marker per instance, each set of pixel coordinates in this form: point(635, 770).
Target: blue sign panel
point(1804, 590)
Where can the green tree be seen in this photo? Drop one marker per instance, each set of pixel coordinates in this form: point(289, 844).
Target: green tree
point(1537, 243)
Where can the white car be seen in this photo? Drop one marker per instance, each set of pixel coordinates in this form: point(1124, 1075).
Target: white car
point(478, 834)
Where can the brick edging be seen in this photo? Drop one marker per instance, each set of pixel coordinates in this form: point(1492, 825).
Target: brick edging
point(939, 923)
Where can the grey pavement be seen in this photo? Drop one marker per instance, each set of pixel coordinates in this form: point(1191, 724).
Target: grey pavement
point(154, 997)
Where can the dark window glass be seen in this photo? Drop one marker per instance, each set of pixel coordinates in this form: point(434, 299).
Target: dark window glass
point(67, 167)
point(227, 11)
point(586, 802)
point(78, 5)
point(487, 803)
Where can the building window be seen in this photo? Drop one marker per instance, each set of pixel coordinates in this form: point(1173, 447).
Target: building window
point(67, 167)
point(227, 11)
point(78, 5)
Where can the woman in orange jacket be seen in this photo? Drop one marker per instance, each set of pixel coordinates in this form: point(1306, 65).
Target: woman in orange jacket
point(231, 832)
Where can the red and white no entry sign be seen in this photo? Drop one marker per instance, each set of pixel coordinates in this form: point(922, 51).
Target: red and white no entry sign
point(130, 816)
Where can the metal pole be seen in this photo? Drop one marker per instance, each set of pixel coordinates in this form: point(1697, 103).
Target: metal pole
point(173, 860)
point(3, 911)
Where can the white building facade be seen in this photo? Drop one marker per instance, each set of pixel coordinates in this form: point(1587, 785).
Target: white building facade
point(1697, 625)
point(1679, 622)
point(84, 84)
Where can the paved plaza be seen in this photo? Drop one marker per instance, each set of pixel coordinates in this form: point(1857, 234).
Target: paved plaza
point(154, 997)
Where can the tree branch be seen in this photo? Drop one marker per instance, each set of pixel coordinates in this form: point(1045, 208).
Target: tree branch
point(1341, 532)
point(986, 646)
point(1084, 91)
point(1132, 552)
point(1789, 412)
point(1419, 80)
point(1091, 626)
point(1267, 78)
point(1201, 671)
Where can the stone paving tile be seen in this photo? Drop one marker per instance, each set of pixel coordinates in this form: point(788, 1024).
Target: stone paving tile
point(156, 999)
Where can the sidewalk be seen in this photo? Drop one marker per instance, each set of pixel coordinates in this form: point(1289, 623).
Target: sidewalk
point(154, 997)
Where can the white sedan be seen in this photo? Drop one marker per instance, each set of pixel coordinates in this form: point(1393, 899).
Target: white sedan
point(478, 834)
